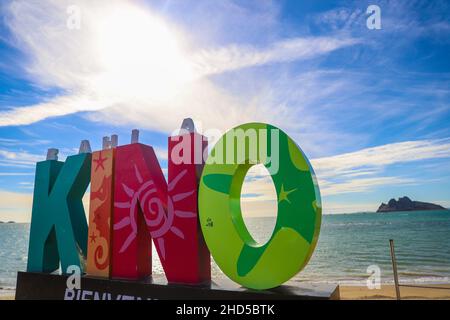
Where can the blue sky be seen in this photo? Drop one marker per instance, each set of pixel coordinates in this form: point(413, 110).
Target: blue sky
point(371, 108)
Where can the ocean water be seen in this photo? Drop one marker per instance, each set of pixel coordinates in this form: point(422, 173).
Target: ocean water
point(348, 245)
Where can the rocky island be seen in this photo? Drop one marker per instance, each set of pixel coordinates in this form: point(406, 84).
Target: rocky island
point(406, 204)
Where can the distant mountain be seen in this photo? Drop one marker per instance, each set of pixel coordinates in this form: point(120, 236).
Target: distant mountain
point(406, 204)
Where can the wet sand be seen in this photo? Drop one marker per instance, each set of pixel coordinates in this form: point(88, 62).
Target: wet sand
point(387, 292)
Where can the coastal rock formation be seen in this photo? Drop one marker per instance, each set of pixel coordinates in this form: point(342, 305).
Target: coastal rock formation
point(406, 204)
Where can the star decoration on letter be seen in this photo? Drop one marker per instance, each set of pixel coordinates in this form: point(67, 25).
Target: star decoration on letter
point(100, 161)
point(93, 237)
point(283, 195)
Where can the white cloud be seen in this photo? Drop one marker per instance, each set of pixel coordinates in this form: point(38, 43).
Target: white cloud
point(13, 174)
point(258, 186)
point(16, 142)
point(360, 185)
point(151, 89)
point(15, 206)
point(341, 19)
point(359, 171)
point(237, 57)
point(380, 156)
point(362, 171)
point(20, 159)
point(59, 106)
point(13, 158)
point(161, 153)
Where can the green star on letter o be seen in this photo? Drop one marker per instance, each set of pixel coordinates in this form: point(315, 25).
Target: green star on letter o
point(239, 256)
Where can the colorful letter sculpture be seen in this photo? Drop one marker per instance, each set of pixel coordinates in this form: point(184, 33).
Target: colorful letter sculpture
point(100, 213)
point(144, 201)
point(196, 212)
point(58, 223)
point(298, 222)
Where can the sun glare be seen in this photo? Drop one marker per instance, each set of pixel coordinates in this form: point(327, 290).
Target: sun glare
point(139, 55)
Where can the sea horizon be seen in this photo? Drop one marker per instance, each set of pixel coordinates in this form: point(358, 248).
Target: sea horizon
point(323, 214)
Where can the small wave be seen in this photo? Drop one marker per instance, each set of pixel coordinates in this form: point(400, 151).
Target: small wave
point(414, 274)
point(358, 281)
point(429, 280)
point(360, 224)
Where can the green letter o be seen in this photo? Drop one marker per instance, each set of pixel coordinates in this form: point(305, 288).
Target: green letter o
point(299, 211)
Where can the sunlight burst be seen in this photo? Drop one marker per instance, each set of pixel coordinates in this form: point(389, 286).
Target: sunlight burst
point(139, 55)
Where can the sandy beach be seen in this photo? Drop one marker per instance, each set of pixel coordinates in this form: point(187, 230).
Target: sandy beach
point(387, 292)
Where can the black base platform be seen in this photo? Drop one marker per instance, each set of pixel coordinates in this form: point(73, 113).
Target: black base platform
point(42, 286)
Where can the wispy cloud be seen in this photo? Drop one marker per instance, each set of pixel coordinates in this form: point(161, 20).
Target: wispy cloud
point(410, 18)
point(260, 188)
point(59, 106)
point(23, 142)
point(13, 174)
point(25, 185)
point(381, 156)
point(340, 19)
point(362, 171)
point(237, 57)
point(87, 86)
point(19, 159)
point(361, 184)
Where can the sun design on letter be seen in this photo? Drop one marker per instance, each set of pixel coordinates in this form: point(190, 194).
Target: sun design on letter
point(157, 219)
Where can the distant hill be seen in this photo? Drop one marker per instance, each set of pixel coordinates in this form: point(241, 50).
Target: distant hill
point(406, 204)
